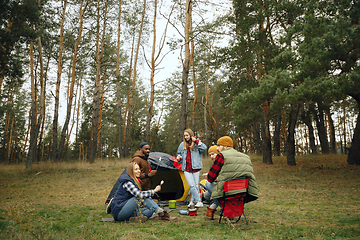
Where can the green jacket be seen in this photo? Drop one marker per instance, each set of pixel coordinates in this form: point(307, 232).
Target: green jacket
point(236, 165)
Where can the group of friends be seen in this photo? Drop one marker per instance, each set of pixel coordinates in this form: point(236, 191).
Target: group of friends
point(133, 199)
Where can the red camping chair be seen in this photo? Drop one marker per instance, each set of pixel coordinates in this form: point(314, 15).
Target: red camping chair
point(233, 205)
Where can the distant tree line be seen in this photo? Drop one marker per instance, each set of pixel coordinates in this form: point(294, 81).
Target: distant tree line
point(280, 78)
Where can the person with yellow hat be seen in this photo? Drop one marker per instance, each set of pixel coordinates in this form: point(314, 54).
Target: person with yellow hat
point(230, 164)
point(213, 152)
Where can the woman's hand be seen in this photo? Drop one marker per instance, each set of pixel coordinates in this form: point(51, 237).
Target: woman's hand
point(193, 138)
point(157, 188)
point(205, 175)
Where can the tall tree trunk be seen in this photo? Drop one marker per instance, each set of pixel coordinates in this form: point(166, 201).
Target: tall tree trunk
point(118, 93)
point(77, 147)
point(209, 101)
point(332, 130)
point(266, 138)
point(7, 127)
point(185, 72)
point(101, 111)
point(344, 126)
point(134, 78)
point(306, 118)
point(319, 119)
point(42, 131)
point(152, 74)
point(192, 62)
point(33, 131)
point(54, 154)
point(267, 151)
point(277, 132)
point(73, 78)
point(294, 111)
point(207, 137)
point(256, 138)
point(42, 92)
point(97, 90)
point(354, 151)
point(125, 128)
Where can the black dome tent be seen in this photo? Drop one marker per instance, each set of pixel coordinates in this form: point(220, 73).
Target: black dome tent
point(175, 186)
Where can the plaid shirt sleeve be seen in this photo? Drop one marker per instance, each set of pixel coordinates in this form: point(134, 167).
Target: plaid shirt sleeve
point(131, 188)
point(216, 167)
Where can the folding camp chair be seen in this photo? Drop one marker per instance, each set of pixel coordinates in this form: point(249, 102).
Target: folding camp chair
point(233, 204)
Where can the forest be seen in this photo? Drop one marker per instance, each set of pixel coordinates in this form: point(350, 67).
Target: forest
point(88, 79)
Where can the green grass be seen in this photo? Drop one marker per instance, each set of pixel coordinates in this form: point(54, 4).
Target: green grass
point(316, 199)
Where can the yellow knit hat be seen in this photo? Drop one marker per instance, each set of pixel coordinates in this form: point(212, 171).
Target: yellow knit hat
point(225, 141)
point(213, 148)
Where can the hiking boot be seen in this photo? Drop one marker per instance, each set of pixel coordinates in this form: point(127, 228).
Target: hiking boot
point(138, 219)
point(165, 216)
point(210, 213)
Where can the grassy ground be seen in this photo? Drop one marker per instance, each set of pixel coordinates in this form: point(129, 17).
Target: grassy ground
point(316, 199)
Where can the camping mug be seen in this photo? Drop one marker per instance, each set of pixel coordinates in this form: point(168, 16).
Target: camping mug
point(172, 204)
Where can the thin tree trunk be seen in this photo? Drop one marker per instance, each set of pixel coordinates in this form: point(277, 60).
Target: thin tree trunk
point(185, 72)
point(7, 128)
point(332, 130)
point(42, 94)
point(319, 119)
point(291, 137)
point(267, 152)
point(54, 153)
point(127, 136)
point(77, 148)
point(266, 138)
point(97, 90)
point(256, 138)
point(306, 118)
point(152, 74)
point(101, 110)
point(277, 133)
point(208, 99)
point(42, 132)
point(126, 143)
point(73, 78)
point(207, 139)
point(33, 132)
point(118, 93)
point(192, 62)
point(76, 104)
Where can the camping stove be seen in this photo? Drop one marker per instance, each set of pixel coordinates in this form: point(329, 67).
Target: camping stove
point(192, 210)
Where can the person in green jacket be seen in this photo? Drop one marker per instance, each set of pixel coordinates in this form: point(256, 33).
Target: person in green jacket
point(230, 164)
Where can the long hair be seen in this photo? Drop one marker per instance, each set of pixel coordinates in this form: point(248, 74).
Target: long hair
point(130, 172)
point(189, 143)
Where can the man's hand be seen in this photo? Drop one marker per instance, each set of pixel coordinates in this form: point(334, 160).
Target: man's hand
point(152, 173)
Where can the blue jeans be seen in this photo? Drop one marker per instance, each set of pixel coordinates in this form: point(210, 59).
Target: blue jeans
point(207, 195)
point(209, 187)
point(193, 182)
point(135, 205)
